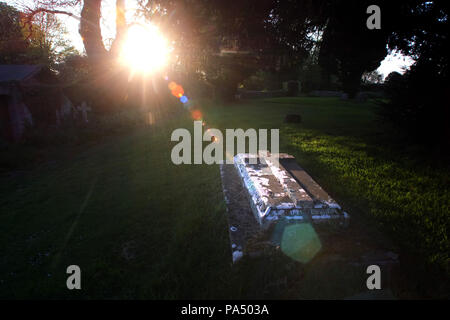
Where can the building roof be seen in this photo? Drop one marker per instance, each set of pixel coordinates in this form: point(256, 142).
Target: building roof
point(17, 72)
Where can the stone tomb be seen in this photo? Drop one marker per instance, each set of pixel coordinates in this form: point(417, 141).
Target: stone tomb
point(261, 193)
point(275, 193)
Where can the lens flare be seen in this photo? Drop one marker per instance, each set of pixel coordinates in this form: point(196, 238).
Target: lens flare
point(172, 85)
point(196, 115)
point(176, 89)
point(298, 241)
point(144, 49)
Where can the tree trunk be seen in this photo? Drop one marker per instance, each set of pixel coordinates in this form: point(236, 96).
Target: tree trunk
point(90, 30)
point(121, 27)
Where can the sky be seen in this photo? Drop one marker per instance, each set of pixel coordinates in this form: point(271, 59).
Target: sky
point(392, 62)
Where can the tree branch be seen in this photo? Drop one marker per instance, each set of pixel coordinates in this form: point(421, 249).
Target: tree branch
point(30, 13)
point(33, 12)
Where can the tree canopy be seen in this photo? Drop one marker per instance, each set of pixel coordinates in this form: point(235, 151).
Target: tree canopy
point(41, 41)
point(224, 42)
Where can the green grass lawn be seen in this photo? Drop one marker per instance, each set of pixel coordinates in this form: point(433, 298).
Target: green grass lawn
point(140, 227)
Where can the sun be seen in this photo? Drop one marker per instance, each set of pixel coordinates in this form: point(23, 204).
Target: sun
point(144, 49)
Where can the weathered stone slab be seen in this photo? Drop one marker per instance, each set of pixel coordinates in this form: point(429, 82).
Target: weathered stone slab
point(282, 189)
point(318, 251)
point(262, 193)
point(242, 225)
point(272, 192)
point(321, 198)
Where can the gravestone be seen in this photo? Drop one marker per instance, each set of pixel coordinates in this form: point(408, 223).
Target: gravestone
point(292, 88)
point(278, 214)
point(261, 193)
point(65, 110)
point(274, 192)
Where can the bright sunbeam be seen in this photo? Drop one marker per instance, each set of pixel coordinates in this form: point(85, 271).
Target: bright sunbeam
point(145, 49)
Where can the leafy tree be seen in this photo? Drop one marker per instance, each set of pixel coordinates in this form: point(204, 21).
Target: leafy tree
point(200, 30)
point(276, 35)
point(223, 41)
point(337, 31)
point(419, 100)
point(48, 36)
point(13, 45)
point(40, 42)
point(311, 76)
point(372, 77)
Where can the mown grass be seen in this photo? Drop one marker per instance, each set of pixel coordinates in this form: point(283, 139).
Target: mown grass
point(392, 182)
point(141, 227)
point(137, 225)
